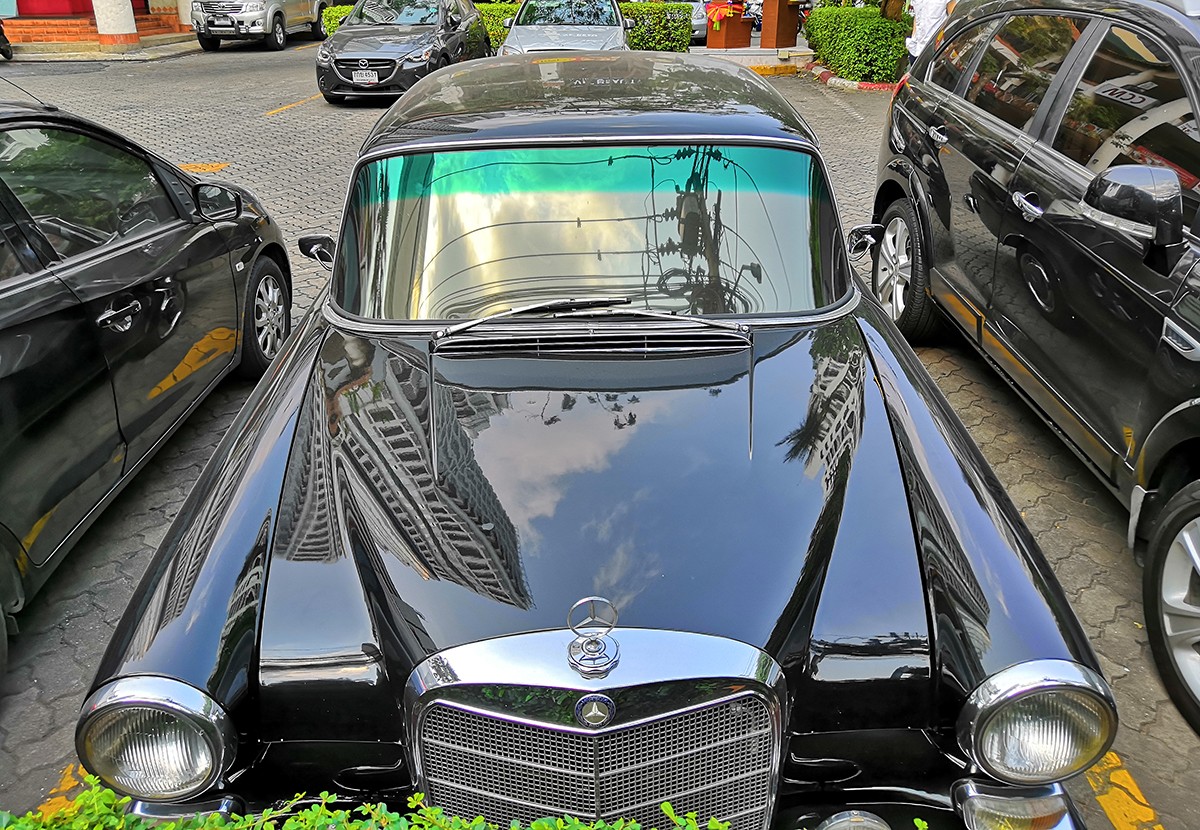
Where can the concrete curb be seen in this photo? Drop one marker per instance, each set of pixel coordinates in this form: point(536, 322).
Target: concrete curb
point(826, 77)
point(148, 53)
point(779, 69)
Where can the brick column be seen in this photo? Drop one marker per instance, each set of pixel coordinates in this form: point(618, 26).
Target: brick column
point(114, 22)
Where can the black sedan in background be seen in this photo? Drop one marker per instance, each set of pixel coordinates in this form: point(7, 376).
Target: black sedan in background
point(595, 481)
point(1039, 182)
point(383, 47)
point(127, 291)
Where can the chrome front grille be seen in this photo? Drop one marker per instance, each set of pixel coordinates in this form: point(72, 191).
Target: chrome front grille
point(716, 760)
point(221, 7)
point(381, 65)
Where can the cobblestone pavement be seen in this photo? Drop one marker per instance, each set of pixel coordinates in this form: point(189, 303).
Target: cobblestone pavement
point(233, 107)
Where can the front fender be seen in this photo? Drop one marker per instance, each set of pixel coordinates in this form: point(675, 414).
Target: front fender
point(194, 617)
point(993, 600)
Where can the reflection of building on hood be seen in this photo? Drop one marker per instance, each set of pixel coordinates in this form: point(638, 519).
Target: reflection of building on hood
point(837, 386)
point(448, 527)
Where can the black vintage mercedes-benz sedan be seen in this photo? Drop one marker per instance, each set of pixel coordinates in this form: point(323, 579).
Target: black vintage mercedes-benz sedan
point(128, 290)
point(596, 481)
point(1039, 180)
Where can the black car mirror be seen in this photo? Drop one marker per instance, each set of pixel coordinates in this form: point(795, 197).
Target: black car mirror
point(216, 202)
point(863, 238)
point(508, 21)
point(319, 247)
point(1142, 201)
point(453, 21)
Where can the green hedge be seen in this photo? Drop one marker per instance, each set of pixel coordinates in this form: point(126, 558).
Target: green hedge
point(858, 44)
point(98, 808)
point(663, 27)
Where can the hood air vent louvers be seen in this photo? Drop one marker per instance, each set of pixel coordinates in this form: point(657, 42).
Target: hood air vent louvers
point(596, 342)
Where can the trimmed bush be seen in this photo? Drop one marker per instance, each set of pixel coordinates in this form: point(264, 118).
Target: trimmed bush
point(98, 808)
point(856, 43)
point(663, 27)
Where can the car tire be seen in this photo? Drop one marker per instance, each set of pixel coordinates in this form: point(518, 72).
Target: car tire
point(1171, 594)
point(318, 25)
point(276, 39)
point(207, 43)
point(900, 274)
point(267, 319)
point(336, 100)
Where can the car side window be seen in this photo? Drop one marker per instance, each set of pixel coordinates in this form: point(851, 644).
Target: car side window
point(10, 241)
point(948, 67)
point(81, 192)
point(1020, 62)
point(1130, 107)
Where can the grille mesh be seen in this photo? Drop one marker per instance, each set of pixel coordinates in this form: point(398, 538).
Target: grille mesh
point(715, 761)
point(221, 7)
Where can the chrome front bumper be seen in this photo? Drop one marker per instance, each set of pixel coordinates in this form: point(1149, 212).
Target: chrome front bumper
point(240, 24)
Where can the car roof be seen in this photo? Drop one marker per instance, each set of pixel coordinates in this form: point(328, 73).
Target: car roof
point(1146, 11)
point(587, 95)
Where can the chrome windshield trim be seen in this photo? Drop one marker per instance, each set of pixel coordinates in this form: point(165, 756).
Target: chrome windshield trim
point(172, 696)
point(428, 328)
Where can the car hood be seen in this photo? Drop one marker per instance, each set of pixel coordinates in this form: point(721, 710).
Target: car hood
point(384, 41)
point(540, 38)
point(435, 501)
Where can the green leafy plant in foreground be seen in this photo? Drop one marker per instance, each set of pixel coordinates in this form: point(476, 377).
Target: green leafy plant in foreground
point(99, 808)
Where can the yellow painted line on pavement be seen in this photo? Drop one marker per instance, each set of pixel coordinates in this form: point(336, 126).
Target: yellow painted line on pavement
point(63, 793)
point(204, 166)
point(1120, 797)
point(294, 104)
point(307, 46)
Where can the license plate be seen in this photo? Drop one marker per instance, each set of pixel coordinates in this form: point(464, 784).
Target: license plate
point(220, 21)
point(365, 76)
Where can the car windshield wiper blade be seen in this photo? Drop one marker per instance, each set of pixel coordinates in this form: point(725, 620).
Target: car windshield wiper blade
point(663, 315)
point(546, 305)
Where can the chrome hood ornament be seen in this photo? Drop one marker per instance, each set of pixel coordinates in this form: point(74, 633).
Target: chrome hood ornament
point(593, 653)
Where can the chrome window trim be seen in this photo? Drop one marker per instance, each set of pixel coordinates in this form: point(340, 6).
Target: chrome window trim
point(1021, 680)
point(168, 695)
point(540, 659)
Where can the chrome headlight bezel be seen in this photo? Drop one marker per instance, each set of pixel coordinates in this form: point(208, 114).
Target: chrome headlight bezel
point(174, 698)
point(197, 6)
point(1019, 683)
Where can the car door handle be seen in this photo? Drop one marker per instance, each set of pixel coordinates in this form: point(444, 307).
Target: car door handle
point(938, 134)
point(1028, 209)
point(1180, 340)
point(119, 319)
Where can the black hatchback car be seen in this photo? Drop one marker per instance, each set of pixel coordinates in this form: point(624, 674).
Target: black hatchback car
point(595, 482)
point(128, 289)
point(1039, 185)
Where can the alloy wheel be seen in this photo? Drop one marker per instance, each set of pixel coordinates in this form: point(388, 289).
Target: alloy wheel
point(269, 309)
point(1180, 593)
point(894, 269)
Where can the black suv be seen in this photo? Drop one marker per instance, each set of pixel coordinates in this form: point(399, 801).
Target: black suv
point(1038, 185)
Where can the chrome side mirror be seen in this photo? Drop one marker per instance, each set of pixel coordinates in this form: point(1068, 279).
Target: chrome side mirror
point(319, 247)
point(508, 21)
point(216, 202)
point(629, 24)
point(1139, 200)
point(862, 239)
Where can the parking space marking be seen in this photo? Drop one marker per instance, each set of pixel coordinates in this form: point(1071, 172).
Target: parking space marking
point(307, 46)
point(294, 104)
point(1120, 797)
point(204, 166)
point(64, 792)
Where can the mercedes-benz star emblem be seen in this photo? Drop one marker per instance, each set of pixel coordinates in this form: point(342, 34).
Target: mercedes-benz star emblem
point(364, 63)
point(595, 711)
point(593, 653)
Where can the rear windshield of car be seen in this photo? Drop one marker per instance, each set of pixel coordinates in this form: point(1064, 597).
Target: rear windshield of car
point(696, 229)
point(567, 13)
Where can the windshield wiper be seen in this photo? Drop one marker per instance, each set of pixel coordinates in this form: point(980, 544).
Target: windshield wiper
point(546, 305)
point(741, 328)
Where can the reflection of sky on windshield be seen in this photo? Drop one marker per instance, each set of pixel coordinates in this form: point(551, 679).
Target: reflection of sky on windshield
point(464, 234)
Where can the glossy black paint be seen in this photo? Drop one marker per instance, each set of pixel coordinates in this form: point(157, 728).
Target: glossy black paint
point(808, 492)
point(85, 405)
point(1146, 195)
point(1071, 312)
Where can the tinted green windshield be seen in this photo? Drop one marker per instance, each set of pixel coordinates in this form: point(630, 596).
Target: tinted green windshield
point(403, 12)
point(567, 13)
point(691, 229)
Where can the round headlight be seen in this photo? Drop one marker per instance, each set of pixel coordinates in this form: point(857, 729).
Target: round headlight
point(154, 739)
point(1038, 722)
